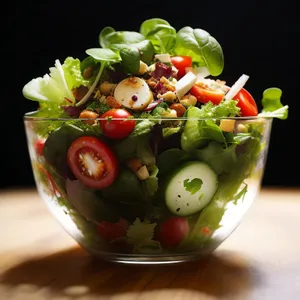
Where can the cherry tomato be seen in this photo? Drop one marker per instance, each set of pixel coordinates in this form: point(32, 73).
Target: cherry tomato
point(204, 95)
point(246, 103)
point(39, 146)
point(92, 162)
point(172, 231)
point(117, 129)
point(180, 63)
point(111, 231)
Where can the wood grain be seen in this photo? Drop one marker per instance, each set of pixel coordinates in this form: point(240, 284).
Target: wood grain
point(261, 260)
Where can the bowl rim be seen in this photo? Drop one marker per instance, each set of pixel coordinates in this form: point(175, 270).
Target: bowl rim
point(29, 116)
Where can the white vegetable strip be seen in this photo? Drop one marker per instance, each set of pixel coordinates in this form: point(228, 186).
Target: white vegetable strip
point(184, 84)
point(237, 86)
point(200, 72)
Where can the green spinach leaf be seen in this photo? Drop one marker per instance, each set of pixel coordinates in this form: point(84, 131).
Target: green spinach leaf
point(202, 47)
point(160, 33)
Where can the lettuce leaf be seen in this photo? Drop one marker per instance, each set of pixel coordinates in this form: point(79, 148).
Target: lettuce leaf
point(51, 87)
point(219, 158)
point(232, 187)
point(197, 132)
point(272, 106)
point(73, 73)
point(226, 108)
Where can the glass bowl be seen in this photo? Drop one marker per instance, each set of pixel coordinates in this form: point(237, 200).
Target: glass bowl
point(169, 192)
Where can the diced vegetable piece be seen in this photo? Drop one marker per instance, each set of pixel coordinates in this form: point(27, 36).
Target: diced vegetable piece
point(142, 173)
point(227, 125)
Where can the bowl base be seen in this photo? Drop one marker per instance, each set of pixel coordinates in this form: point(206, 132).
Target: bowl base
point(151, 259)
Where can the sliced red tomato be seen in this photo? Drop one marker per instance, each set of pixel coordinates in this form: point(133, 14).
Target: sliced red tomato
point(39, 146)
point(92, 162)
point(181, 62)
point(111, 231)
point(246, 103)
point(172, 231)
point(205, 95)
point(117, 129)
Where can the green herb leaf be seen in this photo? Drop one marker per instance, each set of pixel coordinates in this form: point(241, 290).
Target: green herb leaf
point(204, 49)
point(161, 34)
point(221, 159)
point(130, 59)
point(108, 37)
point(170, 159)
point(140, 232)
point(142, 127)
point(88, 204)
point(104, 55)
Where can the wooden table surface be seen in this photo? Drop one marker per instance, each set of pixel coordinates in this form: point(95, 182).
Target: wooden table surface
point(261, 260)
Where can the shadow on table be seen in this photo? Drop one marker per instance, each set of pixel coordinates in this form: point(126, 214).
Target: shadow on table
point(223, 274)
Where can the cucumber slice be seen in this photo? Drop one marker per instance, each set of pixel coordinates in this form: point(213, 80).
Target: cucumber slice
point(190, 188)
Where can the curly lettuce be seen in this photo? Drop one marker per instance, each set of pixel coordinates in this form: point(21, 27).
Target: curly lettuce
point(55, 89)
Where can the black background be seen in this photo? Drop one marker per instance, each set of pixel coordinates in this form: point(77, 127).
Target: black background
point(259, 38)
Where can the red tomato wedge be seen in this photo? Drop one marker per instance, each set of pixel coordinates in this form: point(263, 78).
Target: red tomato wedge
point(92, 162)
point(117, 129)
point(205, 95)
point(246, 103)
point(181, 62)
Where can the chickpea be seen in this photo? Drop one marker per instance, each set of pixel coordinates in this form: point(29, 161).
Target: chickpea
point(188, 100)
point(106, 88)
point(88, 114)
point(180, 109)
point(88, 72)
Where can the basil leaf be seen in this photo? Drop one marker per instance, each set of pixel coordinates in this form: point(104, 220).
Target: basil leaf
point(104, 55)
point(221, 159)
point(89, 204)
point(161, 34)
point(131, 59)
point(146, 50)
point(108, 37)
point(170, 159)
point(204, 49)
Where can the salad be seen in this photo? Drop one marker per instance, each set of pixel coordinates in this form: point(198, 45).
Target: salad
point(142, 143)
